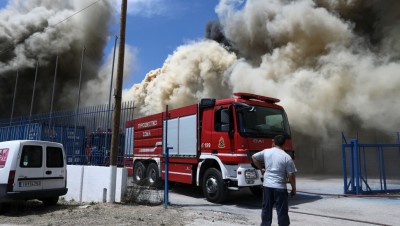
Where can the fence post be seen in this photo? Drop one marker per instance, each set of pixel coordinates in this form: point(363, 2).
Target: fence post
point(344, 163)
point(357, 165)
point(351, 161)
point(33, 92)
point(77, 104)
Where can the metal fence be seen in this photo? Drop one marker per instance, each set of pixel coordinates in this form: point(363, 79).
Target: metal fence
point(85, 132)
point(370, 167)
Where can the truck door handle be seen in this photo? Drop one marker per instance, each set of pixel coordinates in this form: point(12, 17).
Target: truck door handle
point(48, 172)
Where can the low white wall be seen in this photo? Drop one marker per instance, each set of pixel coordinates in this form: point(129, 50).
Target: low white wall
point(92, 183)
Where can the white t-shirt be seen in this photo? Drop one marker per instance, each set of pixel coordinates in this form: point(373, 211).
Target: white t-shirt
point(277, 165)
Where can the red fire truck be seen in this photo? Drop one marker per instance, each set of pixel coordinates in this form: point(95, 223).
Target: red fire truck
point(210, 143)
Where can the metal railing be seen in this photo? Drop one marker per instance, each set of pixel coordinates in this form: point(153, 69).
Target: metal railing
point(360, 156)
point(85, 132)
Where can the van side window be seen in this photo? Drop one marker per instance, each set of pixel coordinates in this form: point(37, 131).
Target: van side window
point(31, 156)
point(54, 157)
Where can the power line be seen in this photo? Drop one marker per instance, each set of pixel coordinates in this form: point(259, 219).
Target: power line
point(78, 12)
point(56, 24)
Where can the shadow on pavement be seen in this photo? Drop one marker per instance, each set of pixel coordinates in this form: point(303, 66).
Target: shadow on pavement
point(33, 207)
point(243, 198)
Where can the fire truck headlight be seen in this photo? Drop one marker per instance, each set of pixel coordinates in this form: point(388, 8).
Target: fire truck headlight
point(250, 174)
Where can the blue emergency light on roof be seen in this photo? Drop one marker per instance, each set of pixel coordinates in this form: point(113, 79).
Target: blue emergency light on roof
point(250, 96)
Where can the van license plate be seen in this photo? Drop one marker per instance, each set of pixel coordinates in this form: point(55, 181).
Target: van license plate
point(29, 183)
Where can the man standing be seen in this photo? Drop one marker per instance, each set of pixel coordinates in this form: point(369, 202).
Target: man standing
point(278, 167)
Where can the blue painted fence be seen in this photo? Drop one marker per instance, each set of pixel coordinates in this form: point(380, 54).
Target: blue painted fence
point(85, 133)
point(357, 160)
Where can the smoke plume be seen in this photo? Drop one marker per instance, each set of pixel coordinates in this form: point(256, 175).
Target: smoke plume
point(39, 31)
point(214, 31)
point(335, 65)
point(193, 72)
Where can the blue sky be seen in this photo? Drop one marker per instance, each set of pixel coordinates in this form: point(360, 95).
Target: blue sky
point(155, 28)
point(157, 31)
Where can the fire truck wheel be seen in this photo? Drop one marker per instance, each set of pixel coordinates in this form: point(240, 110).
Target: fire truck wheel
point(139, 173)
point(153, 175)
point(214, 188)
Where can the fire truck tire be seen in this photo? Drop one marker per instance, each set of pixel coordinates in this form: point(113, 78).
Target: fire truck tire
point(214, 188)
point(153, 175)
point(139, 173)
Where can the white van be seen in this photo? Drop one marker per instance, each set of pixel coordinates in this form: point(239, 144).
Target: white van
point(31, 169)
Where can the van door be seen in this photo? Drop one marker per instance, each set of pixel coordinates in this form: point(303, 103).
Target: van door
point(29, 169)
point(54, 170)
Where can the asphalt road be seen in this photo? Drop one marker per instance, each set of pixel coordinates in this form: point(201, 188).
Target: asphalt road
point(243, 208)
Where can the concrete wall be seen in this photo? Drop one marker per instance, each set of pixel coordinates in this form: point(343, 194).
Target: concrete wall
point(318, 156)
point(92, 183)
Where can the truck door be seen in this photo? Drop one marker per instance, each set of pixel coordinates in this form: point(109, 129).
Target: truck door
point(222, 142)
point(29, 169)
point(54, 170)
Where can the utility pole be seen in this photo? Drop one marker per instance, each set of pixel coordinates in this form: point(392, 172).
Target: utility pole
point(117, 103)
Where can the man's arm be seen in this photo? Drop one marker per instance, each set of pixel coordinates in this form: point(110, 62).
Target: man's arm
point(258, 164)
point(292, 181)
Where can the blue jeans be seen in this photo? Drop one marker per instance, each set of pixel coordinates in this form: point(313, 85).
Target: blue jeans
point(279, 197)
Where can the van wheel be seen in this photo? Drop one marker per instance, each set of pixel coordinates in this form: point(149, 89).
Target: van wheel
point(153, 175)
point(214, 188)
point(139, 173)
point(50, 201)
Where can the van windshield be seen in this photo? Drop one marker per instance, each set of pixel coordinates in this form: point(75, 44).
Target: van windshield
point(259, 121)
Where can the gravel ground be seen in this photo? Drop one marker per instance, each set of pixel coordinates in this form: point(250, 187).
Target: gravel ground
point(140, 207)
point(73, 213)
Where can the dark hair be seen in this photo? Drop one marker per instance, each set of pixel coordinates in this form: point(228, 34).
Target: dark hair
point(279, 140)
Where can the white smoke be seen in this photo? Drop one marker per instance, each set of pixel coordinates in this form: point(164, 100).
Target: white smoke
point(331, 68)
point(193, 72)
point(315, 63)
point(97, 91)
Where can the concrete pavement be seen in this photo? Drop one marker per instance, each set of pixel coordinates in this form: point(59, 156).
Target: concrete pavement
point(304, 209)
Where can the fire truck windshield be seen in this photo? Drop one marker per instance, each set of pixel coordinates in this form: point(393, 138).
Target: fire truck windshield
point(259, 121)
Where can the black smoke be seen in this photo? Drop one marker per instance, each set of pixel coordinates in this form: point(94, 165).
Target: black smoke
point(214, 31)
point(37, 32)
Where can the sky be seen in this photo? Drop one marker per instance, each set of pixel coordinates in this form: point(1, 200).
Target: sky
point(155, 28)
point(156, 31)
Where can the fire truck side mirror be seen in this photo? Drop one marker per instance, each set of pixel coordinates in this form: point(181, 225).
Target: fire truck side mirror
point(207, 103)
point(227, 122)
